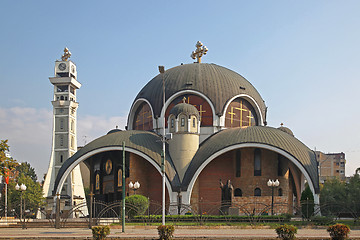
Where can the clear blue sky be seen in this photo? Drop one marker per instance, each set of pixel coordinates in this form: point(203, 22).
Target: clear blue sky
point(302, 56)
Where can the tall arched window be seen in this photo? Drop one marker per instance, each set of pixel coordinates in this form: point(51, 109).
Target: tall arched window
point(182, 121)
point(237, 192)
point(257, 162)
point(257, 192)
point(61, 123)
point(61, 158)
point(280, 192)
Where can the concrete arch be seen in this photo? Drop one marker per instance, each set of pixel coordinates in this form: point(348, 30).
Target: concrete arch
point(251, 100)
point(133, 109)
point(246, 145)
point(170, 99)
point(57, 188)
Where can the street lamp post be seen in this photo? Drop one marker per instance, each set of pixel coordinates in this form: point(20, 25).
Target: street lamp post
point(162, 71)
point(273, 184)
point(134, 186)
point(21, 188)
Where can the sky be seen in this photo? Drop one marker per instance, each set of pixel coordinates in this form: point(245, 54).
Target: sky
point(302, 57)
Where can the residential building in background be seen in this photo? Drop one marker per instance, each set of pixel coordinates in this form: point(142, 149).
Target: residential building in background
point(331, 165)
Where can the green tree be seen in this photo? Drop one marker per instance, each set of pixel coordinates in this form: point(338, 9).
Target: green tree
point(33, 195)
point(353, 193)
point(136, 205)
point(307, 202)
point(333, 197)
point(6, 163)
point(25, 169)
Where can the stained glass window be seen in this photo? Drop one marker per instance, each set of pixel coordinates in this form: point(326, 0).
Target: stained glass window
point(240, 113)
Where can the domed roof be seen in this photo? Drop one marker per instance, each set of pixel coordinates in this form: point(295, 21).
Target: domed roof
point(264, 137)
point(287, 130)
point(184, 108)
point(219, 84)
point(114, 130)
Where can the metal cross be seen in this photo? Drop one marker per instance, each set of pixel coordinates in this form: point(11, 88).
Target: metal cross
point(199, 52)
point(66, 55)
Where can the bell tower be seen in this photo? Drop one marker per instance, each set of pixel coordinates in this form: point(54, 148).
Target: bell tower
point(64, 143)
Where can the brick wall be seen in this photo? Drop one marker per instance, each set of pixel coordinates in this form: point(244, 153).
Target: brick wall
point(206, 194)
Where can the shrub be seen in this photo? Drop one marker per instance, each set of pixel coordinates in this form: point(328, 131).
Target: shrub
point(100, 232)
point(166, 232)
point(338, 231)
point(136, 205)
point(286, 232)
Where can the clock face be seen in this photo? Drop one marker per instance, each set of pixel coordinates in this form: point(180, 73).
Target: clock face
point(62, 66)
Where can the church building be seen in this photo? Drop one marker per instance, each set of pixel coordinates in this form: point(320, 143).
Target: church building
point(216, 132)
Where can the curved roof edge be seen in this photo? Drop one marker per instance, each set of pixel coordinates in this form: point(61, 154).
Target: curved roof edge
point(206, 78)
point(144, 142)
point(258, 135)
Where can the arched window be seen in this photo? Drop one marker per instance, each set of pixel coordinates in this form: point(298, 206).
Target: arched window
point(61, 123)
point(194, 124)
point(143, 118)
point(182, 121)
point(257, 192)
point(62, 98)
point(61, 141)
point(280, 192)
point(257, 162)
point(240, 113)
point(61, 158)
point(172, 122)
point(237, 192)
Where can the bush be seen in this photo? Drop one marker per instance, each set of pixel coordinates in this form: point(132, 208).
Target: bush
point(166, 232)
point(286, 232)
point(136, 205)
point(100, 232)
point(338, 231)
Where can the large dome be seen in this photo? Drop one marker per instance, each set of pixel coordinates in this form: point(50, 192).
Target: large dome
point(217, 83)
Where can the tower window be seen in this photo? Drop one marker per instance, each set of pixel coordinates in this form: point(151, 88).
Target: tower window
point(172, 122)
point(62, 88)
point(237, 192)
point(66, 98)
point(257, 192)
point(61, 141)
point(61, 124)
point(182, 122)
point(62, 98)
point(238, 163)
point(257, 162)
point(194, 123)
point(61, 158)
point(280, 192)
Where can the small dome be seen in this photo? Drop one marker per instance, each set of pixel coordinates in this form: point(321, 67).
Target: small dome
point(287, 130)
point(114, 130)
point(184, 108)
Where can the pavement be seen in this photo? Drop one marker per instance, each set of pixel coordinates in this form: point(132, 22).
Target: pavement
point(150, 232)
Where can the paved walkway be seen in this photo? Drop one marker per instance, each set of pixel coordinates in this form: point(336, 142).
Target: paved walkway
point(132, 232)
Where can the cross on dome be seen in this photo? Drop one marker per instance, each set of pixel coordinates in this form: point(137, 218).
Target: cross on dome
point(199, 52)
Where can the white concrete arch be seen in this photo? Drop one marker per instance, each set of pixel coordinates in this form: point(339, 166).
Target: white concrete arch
point(187, 195)
point(112, 148)
point(251, 101)
point(168, 101)
point(133, 109)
